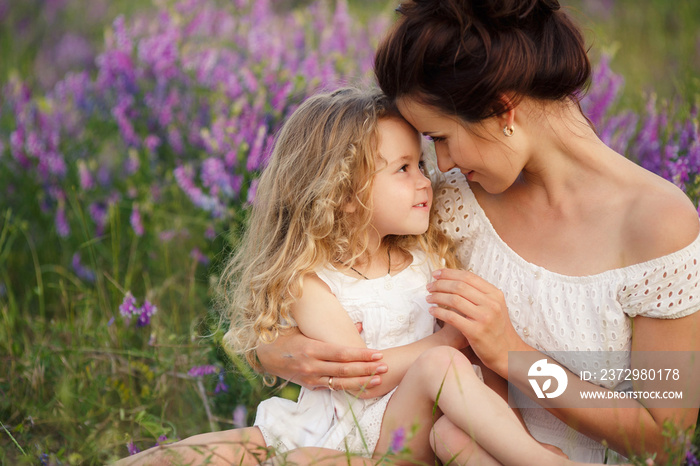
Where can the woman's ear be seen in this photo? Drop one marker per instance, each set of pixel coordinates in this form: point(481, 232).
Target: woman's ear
point(508, 117)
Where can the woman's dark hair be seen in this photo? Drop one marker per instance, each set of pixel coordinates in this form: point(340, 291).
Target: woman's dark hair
point(461, 56)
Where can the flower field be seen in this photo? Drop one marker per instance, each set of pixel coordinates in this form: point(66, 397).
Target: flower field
point(128, 156)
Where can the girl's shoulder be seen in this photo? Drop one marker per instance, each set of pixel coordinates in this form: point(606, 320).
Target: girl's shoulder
point(659, 218)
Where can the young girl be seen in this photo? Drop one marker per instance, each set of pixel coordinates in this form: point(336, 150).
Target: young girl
point(341, 233)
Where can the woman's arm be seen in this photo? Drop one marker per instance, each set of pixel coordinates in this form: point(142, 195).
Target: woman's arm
point(629, 427)
point(308, 362)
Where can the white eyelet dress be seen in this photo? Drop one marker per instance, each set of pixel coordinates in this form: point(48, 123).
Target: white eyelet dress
point(553, 312)
point(393, 312)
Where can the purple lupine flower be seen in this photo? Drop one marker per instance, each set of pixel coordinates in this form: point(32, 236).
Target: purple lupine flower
point(691, 459)
point(128, 306)
point(133, 449)
point(398, 439)
point(200, 371)
point(175, 140)
point(598, 102)
point(86, 180)
point(240, 415)
point(17, 147)
point(151, 142)
point(252, 191)
point(98, 212)
point(4, 7)
point(81, 271)
point(215, 178)
point(62, 227)
point(145, 313)
point(220, 385)
point(256, 149)
point(160, 53)
point(135, 220)
point(197, 255)
point(162, 439)
point(167, 235)
point(183, 176)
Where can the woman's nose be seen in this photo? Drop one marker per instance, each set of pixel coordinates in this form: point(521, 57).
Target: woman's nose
point(444, 161)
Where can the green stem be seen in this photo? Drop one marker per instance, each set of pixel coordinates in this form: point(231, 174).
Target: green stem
point(13, 439)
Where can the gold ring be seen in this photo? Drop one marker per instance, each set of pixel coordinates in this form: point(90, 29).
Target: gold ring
point(330, 383)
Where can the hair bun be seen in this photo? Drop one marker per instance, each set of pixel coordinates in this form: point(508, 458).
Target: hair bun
point(490, 13)
point(500, 13)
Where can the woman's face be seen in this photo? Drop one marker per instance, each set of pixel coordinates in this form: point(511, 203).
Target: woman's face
point(483, 158)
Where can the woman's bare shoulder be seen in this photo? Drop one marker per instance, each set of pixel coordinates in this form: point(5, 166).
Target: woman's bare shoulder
point(660, 219)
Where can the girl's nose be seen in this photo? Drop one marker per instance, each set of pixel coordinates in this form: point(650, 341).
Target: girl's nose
point(423, 181)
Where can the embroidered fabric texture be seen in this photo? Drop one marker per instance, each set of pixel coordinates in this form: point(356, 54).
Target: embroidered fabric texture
point(391, 316)
point(554, 312)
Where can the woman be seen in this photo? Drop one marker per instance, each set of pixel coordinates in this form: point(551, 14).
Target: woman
point(590, 252)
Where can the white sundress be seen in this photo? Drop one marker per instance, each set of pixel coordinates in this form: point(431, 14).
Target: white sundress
point(393, 312)
point(560, 313)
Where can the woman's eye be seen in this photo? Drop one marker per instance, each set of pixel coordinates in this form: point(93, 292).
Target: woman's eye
point(421, 166)
point(436, 139)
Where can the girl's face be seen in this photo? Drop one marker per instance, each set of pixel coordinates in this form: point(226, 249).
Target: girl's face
point(483, 160)
point(401, 193)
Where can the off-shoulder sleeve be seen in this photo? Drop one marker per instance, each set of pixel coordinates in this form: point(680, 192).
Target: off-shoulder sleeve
point(664, 288)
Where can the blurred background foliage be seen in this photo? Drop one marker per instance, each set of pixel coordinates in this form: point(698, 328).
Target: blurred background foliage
point(655, 43)
point(131, 134)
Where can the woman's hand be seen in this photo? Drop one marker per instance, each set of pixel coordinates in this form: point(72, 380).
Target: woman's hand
point(478, 310)
point(553, 449)
point(311, 363)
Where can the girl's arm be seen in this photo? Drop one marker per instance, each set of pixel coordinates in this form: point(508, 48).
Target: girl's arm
point(482, 317)
point(321, 317)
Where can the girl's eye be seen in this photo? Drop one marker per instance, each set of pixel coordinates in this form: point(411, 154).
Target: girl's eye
point(403, 168)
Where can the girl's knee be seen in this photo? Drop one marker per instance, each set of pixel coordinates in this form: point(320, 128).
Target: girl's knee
point(448, 440)
point(439, 360)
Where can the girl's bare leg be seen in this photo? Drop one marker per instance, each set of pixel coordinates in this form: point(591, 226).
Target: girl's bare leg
point(453, 446)
point(237, 446)
point(445, 376)
point(320, 457)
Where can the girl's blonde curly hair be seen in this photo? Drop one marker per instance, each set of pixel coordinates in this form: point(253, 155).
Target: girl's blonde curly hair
point(324, 159)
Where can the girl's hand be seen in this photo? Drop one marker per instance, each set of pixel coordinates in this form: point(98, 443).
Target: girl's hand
point(311, 363)
point(478, 310)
